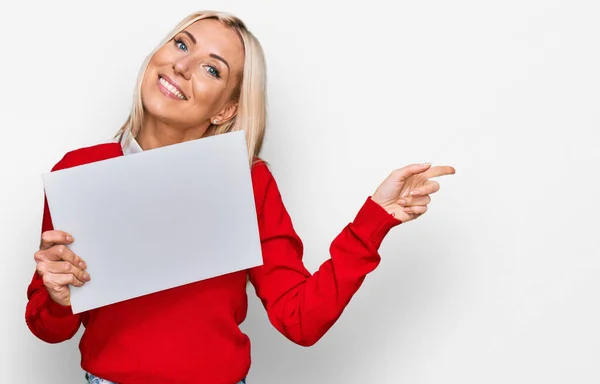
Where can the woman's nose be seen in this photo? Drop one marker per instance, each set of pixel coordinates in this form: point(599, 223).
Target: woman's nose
point(183, 67)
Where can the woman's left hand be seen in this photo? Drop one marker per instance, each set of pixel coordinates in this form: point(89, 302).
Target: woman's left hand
point(405, 193)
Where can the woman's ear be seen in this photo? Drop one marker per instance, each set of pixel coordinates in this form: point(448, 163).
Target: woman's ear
point(226, 114)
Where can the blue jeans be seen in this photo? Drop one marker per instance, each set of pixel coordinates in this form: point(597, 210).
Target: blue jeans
point(91, 379)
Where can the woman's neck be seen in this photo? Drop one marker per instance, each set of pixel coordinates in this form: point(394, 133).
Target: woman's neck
point(155, 134)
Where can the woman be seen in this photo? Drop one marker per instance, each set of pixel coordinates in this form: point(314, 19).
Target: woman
point(206, 78)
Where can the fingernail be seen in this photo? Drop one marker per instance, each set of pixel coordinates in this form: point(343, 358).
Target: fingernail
point(82, 265)
point(426, 164)
point(414, 193)
point(401, 201)
point(86, 277)
point(69, 238)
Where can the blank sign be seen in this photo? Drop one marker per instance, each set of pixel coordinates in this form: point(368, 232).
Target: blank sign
point(158, 219)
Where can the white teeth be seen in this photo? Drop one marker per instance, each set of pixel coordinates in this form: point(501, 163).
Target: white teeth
point(171, 88)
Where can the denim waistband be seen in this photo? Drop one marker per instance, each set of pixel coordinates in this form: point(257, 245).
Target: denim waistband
point(91, 379)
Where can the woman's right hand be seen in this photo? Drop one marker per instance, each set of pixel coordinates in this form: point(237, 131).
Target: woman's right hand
point(59, 267)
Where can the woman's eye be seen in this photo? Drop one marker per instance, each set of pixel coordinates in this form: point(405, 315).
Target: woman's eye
point(181, 45)
point(212, 71)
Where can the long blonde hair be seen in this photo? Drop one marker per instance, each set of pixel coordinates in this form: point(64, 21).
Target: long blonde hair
point(252, 104)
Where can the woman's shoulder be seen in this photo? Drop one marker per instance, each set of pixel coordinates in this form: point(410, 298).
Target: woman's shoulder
point(260, 170)
point(89, 154)
point(263, 181)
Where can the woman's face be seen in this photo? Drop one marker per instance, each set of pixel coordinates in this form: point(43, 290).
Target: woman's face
point(189, 82)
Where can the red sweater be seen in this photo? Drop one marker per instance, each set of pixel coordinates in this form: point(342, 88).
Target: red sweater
point(190, 334)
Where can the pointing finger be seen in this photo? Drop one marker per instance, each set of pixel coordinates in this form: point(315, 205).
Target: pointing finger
point(440, 170)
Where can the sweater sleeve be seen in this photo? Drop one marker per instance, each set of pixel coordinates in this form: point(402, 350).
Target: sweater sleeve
point(48, 320)
point(304, 306)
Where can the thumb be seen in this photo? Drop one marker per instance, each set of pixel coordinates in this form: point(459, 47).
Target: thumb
point(404, 173)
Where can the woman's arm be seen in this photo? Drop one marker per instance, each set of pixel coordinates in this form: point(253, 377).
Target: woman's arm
point(301, 305)
point(48, 320)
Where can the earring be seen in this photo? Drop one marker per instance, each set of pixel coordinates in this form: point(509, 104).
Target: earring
point(215, 121)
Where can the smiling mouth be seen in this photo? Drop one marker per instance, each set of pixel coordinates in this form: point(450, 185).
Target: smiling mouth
point(169, 89)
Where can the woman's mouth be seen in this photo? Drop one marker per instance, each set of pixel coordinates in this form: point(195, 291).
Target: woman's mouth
point(169, 89)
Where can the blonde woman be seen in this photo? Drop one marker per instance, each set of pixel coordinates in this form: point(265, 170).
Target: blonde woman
point(206, 78)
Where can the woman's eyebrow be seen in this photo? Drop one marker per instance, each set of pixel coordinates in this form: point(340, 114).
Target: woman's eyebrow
point(215, 56)
point(190, 36)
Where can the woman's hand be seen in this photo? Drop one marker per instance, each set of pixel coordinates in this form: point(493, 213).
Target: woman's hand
point(406, 192)
point(59, 266)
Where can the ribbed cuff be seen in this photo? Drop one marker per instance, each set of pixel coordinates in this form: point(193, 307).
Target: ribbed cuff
point(56, 309)
point(375, 221)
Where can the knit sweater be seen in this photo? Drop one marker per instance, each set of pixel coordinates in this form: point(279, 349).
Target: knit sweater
point(190, 334)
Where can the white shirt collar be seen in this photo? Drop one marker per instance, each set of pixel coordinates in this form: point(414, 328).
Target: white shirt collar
point(131, 148)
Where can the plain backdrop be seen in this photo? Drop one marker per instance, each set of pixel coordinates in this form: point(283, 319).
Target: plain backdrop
point(497, 283)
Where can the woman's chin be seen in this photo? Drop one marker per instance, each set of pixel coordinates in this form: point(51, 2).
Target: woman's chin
point(161, 110)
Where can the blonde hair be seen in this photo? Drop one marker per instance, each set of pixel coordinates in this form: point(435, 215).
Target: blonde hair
point(251, 114)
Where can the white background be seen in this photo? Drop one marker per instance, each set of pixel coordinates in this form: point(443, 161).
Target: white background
point(497, 283)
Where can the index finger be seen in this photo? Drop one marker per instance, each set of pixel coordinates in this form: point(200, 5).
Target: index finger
point(55, 237)
point(440, 170)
